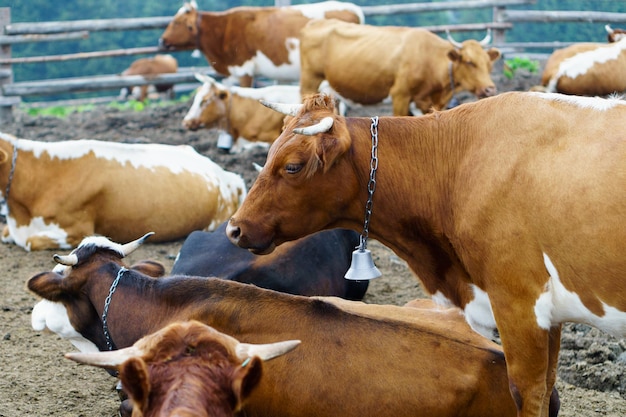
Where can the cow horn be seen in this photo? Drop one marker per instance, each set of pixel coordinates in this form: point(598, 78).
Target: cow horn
point(105, 359)
point(486, 39)
point(257, 167)
point(323, 125)
point(266, 351)
point(608, 29)
point(203, 78)
point(287, 109)
point(130, 247)
point(452, 41)
point(67, 260)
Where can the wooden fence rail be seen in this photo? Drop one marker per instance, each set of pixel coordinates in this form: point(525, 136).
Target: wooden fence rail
point(13, 33)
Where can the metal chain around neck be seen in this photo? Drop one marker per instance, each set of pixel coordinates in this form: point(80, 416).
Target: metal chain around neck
point(10, 180)
point(371, 185)
point(107, 303)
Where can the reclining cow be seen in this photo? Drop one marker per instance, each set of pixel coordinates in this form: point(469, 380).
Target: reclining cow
point(150, 67)
point(237, 110)
point(314, 265)
point(366, 64)
point(248, 42)
point(516, 217)
point(188, 368)
point(57, 193)
point(365, 360)
point(587, 68)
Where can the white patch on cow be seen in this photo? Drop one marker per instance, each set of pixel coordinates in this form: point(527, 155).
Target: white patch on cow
point(260, 64)
point(196, 107)
point(37, 227)
point(558, 305)
point(442, 300)
point(581, 63)
point(317, 10)
point(287, 94)
point(479, 315)
point(593, 103)
point(53, 316)
point(187, 7)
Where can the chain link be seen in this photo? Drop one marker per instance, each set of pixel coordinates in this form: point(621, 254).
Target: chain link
point(371, 185)
point(107, 303)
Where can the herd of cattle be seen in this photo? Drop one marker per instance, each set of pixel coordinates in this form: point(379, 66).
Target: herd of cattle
point(510, 210)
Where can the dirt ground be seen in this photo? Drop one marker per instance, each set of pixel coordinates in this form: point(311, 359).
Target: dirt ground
point(38, 381)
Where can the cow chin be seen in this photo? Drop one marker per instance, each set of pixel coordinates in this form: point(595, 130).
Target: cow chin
point(265, 251)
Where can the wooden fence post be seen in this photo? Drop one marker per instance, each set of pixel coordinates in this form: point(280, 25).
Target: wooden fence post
point(6, 74)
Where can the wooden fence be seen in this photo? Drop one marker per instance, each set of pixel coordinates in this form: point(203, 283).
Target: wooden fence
point(10, 92)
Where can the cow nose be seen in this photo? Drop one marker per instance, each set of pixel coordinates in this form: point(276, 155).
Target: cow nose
point(233, 232)
point(162, 44)
point(191, 124)
point(488, 91)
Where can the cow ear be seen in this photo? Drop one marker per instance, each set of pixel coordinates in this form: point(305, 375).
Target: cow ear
point(4, 157)
point(454, 55)
point(48, 285)
point(153, 269)
point(331, 147)
point(494, 54)
point(136, 381)
point(245, 379)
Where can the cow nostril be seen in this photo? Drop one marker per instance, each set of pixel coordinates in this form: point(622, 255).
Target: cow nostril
point(233, 232)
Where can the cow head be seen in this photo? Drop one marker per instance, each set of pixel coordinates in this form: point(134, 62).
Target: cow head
point(614, 35)
point(66, 308)
point(182, 31)
point(210, 105)
point(312, 143)
point(187, 367)
point(471, 66)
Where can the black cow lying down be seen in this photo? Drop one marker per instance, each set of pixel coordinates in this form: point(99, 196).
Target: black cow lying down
point(313, 265)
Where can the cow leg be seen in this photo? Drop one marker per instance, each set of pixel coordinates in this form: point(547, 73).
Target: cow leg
point(41, 242)
point(401, 104)
point(245, 81)
point(526, 348)
point(553, 361)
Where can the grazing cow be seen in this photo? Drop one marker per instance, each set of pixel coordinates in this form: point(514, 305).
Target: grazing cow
point(516, 217)
point(57, 193)
point(237, 110)
point(586, 69)
point(245, 42)
point(150, 67)
point(366, 64)
point(362, 360)
point(187, 368)
point(314, 265)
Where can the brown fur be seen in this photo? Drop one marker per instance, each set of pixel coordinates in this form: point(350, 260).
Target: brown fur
point(470, 195)
point(150, 67)
point(366, 64)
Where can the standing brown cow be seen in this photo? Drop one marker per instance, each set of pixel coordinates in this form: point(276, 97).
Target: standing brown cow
point(150, 67)
point(366, 64)
point(245, 42)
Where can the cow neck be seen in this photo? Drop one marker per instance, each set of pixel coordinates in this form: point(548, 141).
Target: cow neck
point(105, 310)
point(198, 26)
point(453, 102)
point(5, 201)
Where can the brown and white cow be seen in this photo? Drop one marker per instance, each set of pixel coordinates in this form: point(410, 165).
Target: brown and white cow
point(614, 35)
point(587, 69)
point(246, 42)
point(516, 217)
point(187, 368)
point(57, 193)
point(355, 359)
point(150, 67)
point(366, 64)
point(238, 111)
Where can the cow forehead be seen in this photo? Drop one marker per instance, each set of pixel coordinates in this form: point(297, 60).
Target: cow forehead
point(186, 8)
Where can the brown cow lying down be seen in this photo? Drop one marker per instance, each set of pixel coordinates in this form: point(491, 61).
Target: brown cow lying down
point(59, 192)
point(516, 217)
point(187, 368)
point(355, 359)
point(150, 67)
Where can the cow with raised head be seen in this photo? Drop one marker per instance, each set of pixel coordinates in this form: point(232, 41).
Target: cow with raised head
point(363, 360)
point(366, 64)
point(586, 69)
point(237, 111)
point(56, 193)
point(247, 42)
point(313, 265)
point(516, 217)
point(150, 67)
point(188, 368)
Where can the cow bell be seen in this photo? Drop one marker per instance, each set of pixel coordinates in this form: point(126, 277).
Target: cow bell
point(362, 267)
point(224, 141)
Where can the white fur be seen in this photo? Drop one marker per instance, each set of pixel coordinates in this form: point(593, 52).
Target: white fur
point(479, 315)
point(37, 227)
point(557, 305)
point(593, 103)
point(53, 316)
point(317, 10)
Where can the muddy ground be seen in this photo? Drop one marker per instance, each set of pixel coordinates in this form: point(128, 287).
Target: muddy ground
point(36, 379)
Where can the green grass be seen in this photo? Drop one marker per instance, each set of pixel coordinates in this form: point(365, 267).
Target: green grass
point(511, 66)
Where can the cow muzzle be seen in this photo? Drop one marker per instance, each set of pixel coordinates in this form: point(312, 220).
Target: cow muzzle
point(487, 91)
point(238, 238)
point(192, 124)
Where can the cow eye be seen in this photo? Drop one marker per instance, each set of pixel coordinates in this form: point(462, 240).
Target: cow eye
point(470, 63)
point(293, 168)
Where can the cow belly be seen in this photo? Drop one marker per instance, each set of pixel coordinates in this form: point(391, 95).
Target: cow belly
point(37, 228)
point(261, 65)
